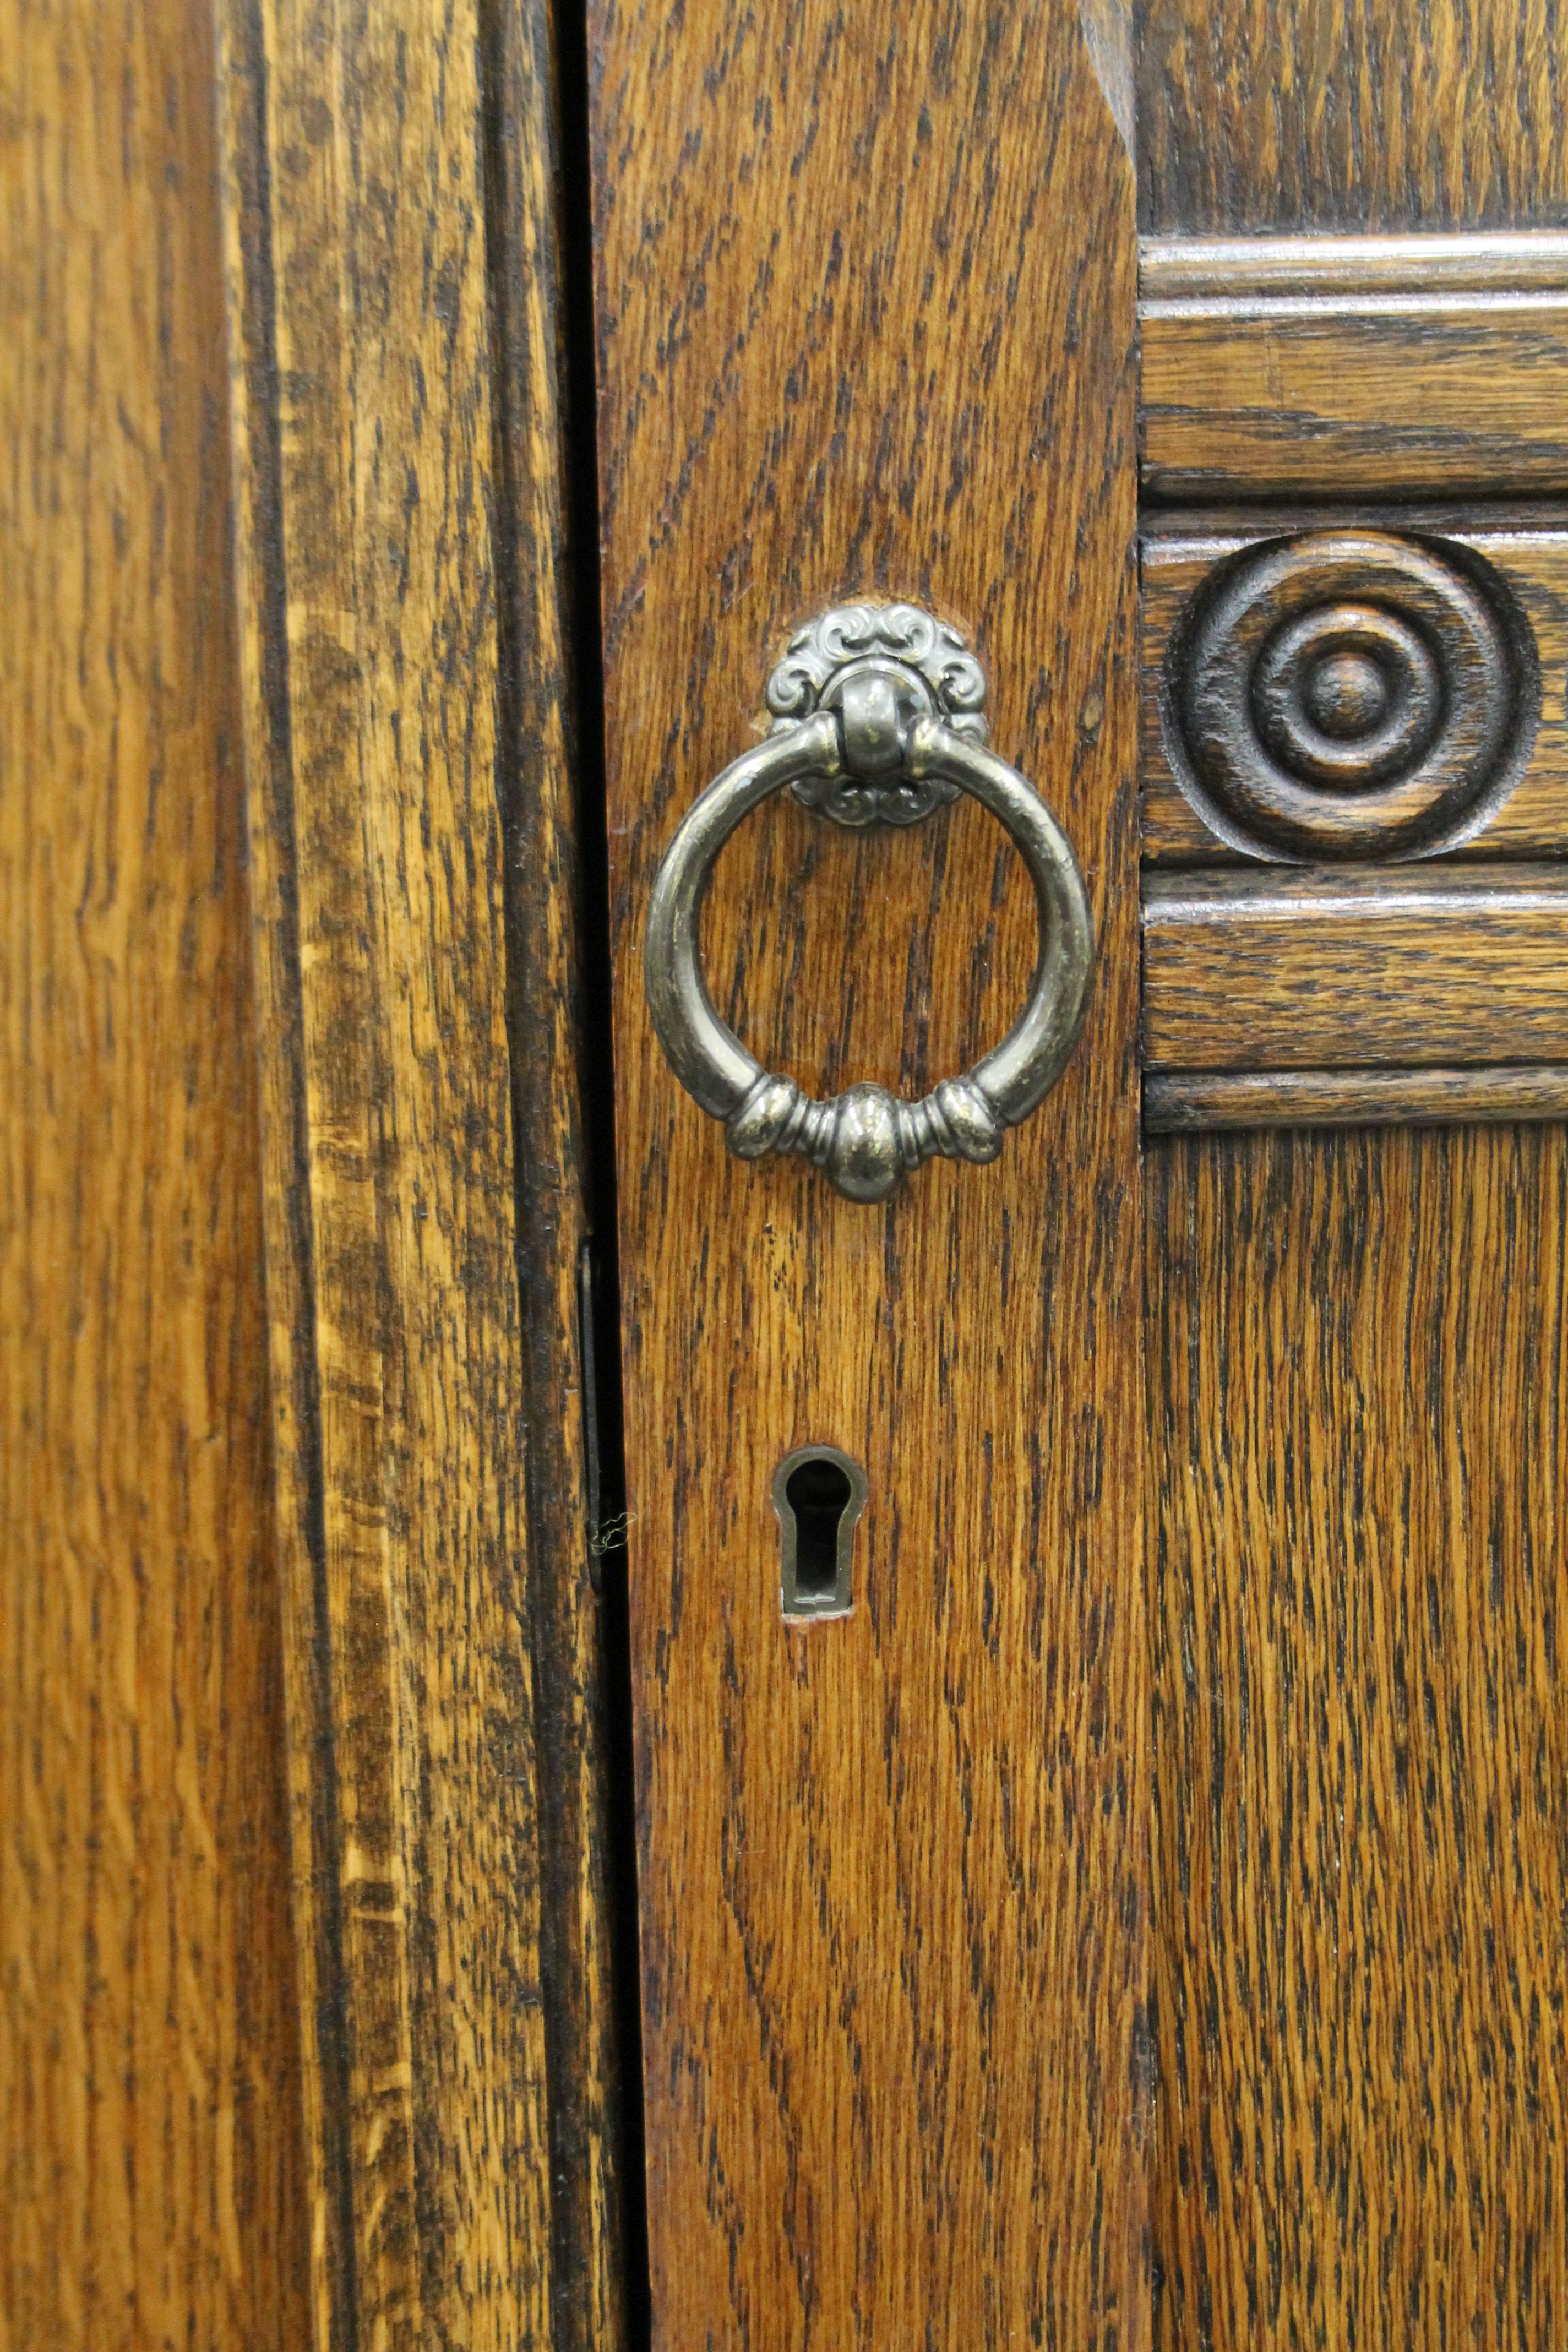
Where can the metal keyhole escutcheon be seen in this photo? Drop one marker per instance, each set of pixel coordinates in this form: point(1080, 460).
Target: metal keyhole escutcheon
point(878, 718)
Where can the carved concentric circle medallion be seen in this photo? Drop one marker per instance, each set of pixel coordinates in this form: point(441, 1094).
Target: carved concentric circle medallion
point(1350, 694)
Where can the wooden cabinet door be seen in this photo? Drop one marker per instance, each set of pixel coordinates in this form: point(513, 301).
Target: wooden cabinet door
point(1080, 1699)
point(866, 331)
point(1131, 1907)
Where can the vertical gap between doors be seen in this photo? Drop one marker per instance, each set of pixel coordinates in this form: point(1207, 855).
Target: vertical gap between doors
point(551, 36)
point(599, 1090)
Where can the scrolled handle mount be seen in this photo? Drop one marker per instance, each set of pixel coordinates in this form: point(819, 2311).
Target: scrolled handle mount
point(879, 718)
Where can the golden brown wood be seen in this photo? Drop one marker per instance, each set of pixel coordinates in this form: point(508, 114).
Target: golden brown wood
point(866, 314)
point(1223, 269)
point(1344, 694)
point(1314, 114)
point(1357, 1341)
point(1355, 1362)
point(153, 2187)
point(1184, 1102)
point(1528, 551)
point(459, 2194)
point(1291, 967)
point(1392, 367)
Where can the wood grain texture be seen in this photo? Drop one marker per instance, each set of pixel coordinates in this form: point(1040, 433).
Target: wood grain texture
point(1377, 390)
point(1433, 267)
point(545, 813)
point(154, 2187)
point(367, 443)
point(1526, 549)
point(866, 302)
point(1313, 114)
point(1356, 1361)
point(1351, 695)
point(1280, 968)
point(1189, 1102)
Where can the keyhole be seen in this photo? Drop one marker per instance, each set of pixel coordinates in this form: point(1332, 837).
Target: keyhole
point(818, 1494)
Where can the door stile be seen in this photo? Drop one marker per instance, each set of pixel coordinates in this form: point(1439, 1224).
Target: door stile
point(865, 300)
point(427, 1435)
point(552, 807)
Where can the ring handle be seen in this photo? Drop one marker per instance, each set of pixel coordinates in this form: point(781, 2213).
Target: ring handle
point(877, 720)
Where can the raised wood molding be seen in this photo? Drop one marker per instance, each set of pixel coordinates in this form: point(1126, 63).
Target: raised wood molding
point(1226, 272)
point(1189, 1102)
point(1277, 968)
point(1335, 366)
point(399, 536)
point(1524, 550)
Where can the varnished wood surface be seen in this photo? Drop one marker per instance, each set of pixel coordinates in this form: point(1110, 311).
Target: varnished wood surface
point(1313, 114)
point(414, 1543)
point(1227, 269)
point(1188, 1102)
point(1282, 967)
point(1527, 547)
point(1356, 1339)
point(1347, 693)
point(866, 305)
point(153, 2190)
point(1417, 372)
point(1357, 1349)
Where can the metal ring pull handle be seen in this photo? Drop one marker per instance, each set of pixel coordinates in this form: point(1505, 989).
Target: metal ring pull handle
point(877, 720)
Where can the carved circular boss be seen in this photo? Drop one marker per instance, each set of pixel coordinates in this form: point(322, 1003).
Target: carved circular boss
point(1350, 694)
point(878, 719)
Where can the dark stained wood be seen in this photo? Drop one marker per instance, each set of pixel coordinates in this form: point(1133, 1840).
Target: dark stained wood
point(1525, 549)
point(1357, 1347)
point(1314, 114)
point(1350, 694)
point(149, 2104)
point(426, 1667)
point(1396, 366)
point(1186, 1102)
point(865, 303)
point(544, 814)
point(1279, 968)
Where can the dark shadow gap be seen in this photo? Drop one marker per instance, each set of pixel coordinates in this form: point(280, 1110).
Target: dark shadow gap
point(523, 47)
point(579, 405)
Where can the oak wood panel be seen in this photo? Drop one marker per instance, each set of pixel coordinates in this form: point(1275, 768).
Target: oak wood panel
point(153, 2184)
point(1357, 1356)
point(1283, 967)
point(1529, 552)
point(1391, 386)
point(1178, 1102)
point(380, 761)
point(866, 302)
point(1410, 114)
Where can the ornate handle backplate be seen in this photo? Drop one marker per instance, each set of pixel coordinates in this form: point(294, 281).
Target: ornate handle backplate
point(878, 719)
